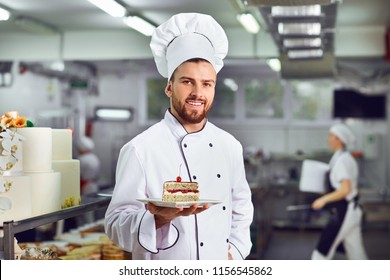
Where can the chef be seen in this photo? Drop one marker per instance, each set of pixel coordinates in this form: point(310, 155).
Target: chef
point(89, 173)
point(344, 226)
point(89, 165)
point(188, 50)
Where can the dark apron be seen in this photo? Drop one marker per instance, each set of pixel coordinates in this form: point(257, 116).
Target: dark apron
point(337, 210)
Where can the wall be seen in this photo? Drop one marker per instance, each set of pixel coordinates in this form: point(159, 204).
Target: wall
point(96, 45)
point(31, 94)
point(115, 90)
point(288, 140)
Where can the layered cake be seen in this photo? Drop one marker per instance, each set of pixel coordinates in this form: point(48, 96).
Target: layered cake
point(67, 166)
point(177, 191)
point(28, 184)
point(15, 186)
point(15, 198)
point(37, 164)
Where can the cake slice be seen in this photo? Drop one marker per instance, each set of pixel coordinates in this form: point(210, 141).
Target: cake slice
point(180, 191)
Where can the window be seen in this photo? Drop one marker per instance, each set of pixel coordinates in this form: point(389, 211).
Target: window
point(312, 100)
point(243, 98)
point(113, 114)
point(157, 101)
point(264, 99)
point(5, 73)
point(223, 106)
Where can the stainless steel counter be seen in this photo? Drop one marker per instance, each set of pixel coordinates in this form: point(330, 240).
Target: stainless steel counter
point(10, 228)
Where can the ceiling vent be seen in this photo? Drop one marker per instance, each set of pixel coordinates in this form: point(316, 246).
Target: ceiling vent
point(303, 31)
point(287, 2)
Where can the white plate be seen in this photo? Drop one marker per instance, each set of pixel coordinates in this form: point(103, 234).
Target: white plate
point(159, 202)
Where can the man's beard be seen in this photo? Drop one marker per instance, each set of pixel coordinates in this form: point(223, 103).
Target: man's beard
point(190, 116)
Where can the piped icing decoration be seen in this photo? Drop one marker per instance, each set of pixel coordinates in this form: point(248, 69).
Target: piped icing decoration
point(5, 186)
point(10, 153)
point(70, 202)
point(5, 202)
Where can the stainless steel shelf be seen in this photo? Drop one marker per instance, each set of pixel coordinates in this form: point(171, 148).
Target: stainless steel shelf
point(10, 228)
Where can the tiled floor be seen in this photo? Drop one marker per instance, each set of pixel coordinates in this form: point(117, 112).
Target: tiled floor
point(293, 244)
point(292, 235)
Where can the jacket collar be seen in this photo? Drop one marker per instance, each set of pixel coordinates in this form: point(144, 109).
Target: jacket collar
point(177, 128)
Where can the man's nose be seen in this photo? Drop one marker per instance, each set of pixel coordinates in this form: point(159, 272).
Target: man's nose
point(197, 89)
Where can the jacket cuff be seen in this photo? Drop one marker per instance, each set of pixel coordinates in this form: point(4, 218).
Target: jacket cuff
point(154, 240)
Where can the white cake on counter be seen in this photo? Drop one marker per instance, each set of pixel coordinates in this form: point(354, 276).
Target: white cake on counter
point(37, 163)
point(45, 178)
point(37, 149)
point(68, 167)
point(62, 144)
point(15, 187)
point(15, 198)
point(46, 192)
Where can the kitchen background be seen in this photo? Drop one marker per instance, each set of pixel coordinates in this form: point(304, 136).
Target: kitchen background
point(77, 60)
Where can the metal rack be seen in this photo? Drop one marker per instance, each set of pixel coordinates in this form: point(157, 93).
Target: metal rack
point(10, 228)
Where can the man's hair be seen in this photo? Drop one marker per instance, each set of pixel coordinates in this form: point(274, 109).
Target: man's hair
point(196, 60)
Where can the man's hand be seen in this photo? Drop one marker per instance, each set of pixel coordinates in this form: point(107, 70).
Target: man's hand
point(164, 215)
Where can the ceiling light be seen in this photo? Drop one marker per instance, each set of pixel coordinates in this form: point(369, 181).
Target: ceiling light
point(274, 64)
point(231, 84)
point(111, 7)
point(299, 28)
point(35, 26)
point(296, 11)
point(113, 114)
point(302, 42)
point(57, 66)
point(249, 22)
point(301, 54)
point(139, 24)
point(4, 14)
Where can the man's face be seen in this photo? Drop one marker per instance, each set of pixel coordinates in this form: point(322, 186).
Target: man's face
point(192, 92)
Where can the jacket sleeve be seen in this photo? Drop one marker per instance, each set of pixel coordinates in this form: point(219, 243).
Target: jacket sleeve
point(127, 221)
point(242, 210)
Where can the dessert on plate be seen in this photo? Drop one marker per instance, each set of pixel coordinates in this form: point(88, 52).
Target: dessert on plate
point(178, 191)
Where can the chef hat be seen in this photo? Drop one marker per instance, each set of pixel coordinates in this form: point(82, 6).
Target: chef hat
point(185, 36)
point(86, 144)
point(344, 133)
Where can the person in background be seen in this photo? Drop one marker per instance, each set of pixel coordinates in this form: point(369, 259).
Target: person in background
point(89, 172)
point(188, 49)
point(89, 166)
point(343, 229)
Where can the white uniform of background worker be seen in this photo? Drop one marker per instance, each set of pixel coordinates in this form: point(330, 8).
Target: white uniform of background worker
point(89, 165)
point(185, 138)
point(344, 226)
point(89, 173)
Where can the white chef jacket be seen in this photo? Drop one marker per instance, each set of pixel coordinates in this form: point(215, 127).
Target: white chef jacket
point(214, 159)
point(344, 167)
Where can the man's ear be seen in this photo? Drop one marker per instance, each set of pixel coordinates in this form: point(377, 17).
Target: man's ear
point(168, 89)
